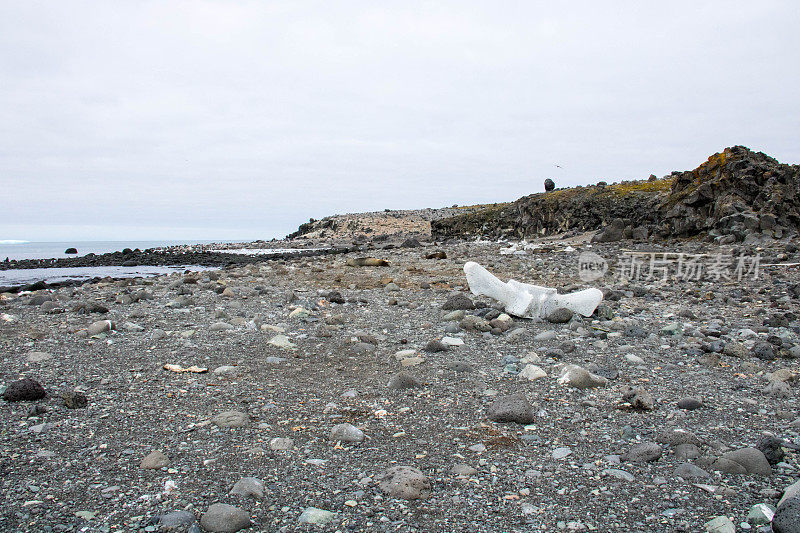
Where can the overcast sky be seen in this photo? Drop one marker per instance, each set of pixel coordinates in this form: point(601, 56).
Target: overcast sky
point(240, 120)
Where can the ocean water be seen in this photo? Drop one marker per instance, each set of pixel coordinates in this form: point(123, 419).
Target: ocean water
point(15, 249)
point(24, 276)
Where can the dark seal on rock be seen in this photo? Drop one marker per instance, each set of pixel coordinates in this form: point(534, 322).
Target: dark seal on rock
point(512, 408)
point(24, 390)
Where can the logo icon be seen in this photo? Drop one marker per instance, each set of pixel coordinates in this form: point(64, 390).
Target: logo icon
point(591, 266)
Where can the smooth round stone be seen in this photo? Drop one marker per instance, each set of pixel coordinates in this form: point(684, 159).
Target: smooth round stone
point(248, 487)
point(403, 381)
point(231, 419)
point(690, 471)
point(347, 433)
point(463, 470)
point(643, 453)
point(224, 518)
point(281, 443)
point(689, 403)
point(561, 453)
point(154, 460)
point(545, 336)
point(101, 326)
point(532, 373)
point(37, 357)
point(618, 474)
point(175, 520)
point(312, 515)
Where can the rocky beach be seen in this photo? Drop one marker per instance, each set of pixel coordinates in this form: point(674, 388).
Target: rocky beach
point(323, 391)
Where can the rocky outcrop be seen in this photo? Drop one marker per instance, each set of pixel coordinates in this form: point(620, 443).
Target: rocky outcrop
point(736, 195)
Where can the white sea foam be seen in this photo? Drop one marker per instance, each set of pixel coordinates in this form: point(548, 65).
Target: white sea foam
point(13, 241)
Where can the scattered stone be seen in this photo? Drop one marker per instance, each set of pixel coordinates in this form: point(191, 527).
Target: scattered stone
point(458, 301)
point(532, 373)
point(743, 461)
point(561, 453)
point(248, 487)
point(38, 357)
point(231, 419)
point(643, 453)
point(761, 514)
point(463, 470)
point(24, 390)
point(176, 521)
point(619, 474)
point(154, 460)
point(580, 378)
point(281, 444)
point(512, 408)
point(403, 381)
point(561, 315)
point(347, 433)
point(224, 518)
point(638, 399)
point(404, 482)
point(720, 524)
point(763, 350)
point(690, 471)
point(685, 452)
point(689, 403)
point(312, 515)
point(75, 400)
point(283, 342)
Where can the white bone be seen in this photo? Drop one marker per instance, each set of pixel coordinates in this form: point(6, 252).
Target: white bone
point(529, 301)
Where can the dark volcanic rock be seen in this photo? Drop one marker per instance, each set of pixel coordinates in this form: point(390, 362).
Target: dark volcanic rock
point(772, 449)
point(71, 251)
point(458, 302)
point(24, 390)
point(736, 193)
point(549, 185)
point(512, 408)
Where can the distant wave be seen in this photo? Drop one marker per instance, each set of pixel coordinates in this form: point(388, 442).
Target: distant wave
point(12, 241)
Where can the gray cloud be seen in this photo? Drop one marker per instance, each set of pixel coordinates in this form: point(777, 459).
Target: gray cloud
point(224, 120)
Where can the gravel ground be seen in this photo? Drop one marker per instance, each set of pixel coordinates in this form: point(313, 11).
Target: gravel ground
point(295, 359)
